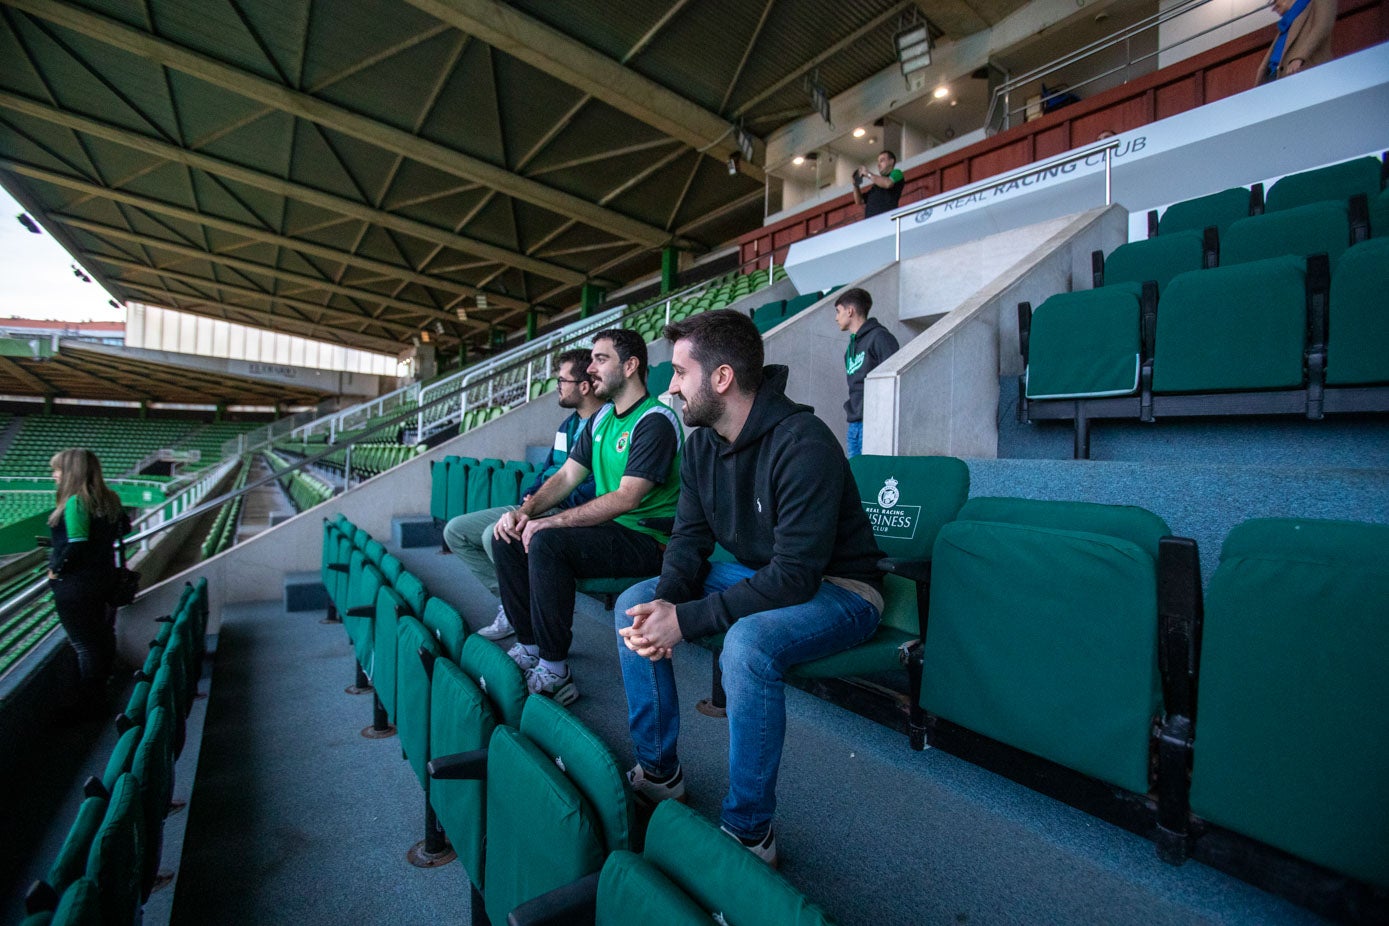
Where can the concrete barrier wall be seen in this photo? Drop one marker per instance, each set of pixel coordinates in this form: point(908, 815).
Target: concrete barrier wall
point(939, 393)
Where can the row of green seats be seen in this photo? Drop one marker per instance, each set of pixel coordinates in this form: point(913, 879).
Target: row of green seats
point(769, 315)
point(462, 485)
point(480, 415)
point(120, 443)
point(109, 862)
point(305, 489)
point(371, 459)
point(222, 534)
point(1268, 337)
point(527, 797)
point(26, 627)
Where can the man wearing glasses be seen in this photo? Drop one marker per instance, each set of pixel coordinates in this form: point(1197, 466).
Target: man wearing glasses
point(469, 536)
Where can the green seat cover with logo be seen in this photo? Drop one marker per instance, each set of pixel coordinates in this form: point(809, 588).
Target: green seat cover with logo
point(907, 499)
point(1292, 747)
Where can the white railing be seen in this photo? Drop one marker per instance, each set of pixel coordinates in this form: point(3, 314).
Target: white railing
point(182, 501)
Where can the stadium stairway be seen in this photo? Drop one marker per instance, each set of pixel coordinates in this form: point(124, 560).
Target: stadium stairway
point(304, 820)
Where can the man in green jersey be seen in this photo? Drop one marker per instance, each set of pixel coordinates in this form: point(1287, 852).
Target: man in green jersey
point(632, 448)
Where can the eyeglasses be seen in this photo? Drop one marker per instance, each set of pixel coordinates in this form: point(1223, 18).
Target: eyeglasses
point(572, 382)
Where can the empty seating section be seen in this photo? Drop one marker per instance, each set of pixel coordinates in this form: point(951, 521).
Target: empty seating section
point(769, 315)
point(1293, 654)
point(304, 488)
point(25, 627)
point(462, 485)
point(120, 443)
point(107, 866)
point(222, 534)
point(1283, 317)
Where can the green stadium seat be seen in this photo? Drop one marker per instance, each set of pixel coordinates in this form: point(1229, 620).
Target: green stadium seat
point(381, 667)
point(1357, 346)
point(1085, 343)
point(71, 861)
point(1291, 748)
point(557, 805)
point(1216, 210)
point(116, 858)
point(123, 753)
point(154, 770)
point(1043, 632)
point(468, 700)
point(1335, 182)
point(80, 906)
point(1158, 259)
point(1233, 328)
point(506, 486)
point(479, 492)
point(458, 474)
point(768, 315)
point(1317, 228)
point(658, 378)
point(690, 873)
point(800, 303)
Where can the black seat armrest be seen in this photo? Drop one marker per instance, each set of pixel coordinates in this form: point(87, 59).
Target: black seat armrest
point(339, 567)
point(42, 898)
point(917, 570)
point(572, 904)
point(461, 766)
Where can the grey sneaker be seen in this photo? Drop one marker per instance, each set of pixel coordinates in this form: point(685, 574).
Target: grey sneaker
point(522, 658)
point(560, 688)
point(499, 629)
point(672, 789)
point(764, 848)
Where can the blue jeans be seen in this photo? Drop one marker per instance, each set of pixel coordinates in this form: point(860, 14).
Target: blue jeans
point(757, 651)
point(854, 439)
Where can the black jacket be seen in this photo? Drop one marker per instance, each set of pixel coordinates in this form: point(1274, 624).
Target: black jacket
point(781, 499)
point(869, 347)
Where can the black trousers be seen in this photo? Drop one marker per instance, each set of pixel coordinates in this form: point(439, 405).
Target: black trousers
point(537, 588)
point(89, 622)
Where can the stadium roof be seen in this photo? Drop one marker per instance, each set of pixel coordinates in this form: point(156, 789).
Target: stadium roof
point(359, 170)
point(91, 372)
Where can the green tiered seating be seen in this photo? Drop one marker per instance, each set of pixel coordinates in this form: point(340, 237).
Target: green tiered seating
point(1158, 259)
point(1317, 228)
point(29, 625)
point(1217, 210)
point(222, 534)
point(305, 489)
point(1335, 182)
point(209, 439)
point(120, 443)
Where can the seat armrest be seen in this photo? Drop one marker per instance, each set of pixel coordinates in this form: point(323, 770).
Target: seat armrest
point(339, 567)
point(572, 904)
point(917, 570)
point(362, 610)
point(461, 766)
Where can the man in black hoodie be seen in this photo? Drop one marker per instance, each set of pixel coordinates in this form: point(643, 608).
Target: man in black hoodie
point(869, 345)
point(766, 479)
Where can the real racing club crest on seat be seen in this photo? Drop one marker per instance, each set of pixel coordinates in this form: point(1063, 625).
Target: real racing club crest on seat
point(888, 494)
point(622, 440)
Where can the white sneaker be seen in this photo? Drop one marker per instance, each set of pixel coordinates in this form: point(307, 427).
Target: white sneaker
point(522, 658)
point(499, 629)
point(672, 789)
point(560, 688)
point(764, 848)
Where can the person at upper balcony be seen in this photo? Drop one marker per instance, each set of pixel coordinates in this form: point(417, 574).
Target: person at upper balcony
point(1303, 40)
point(880, 192)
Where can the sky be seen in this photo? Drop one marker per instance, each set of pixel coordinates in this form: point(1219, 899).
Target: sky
point(36, 279)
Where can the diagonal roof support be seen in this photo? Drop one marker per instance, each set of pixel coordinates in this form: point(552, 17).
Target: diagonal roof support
point(328, 115)
point(16, 369)
point(508, 30)
point(247, 266)
point(286, 188)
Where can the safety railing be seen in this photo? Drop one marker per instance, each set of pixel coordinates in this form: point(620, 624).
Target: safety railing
point(1105, 148)
point(1001, 111)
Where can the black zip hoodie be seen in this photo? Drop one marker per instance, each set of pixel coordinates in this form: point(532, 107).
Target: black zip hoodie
point(781, 499)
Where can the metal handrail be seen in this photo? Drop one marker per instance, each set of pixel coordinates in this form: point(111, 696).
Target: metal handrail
point(1124, 35)
point(1108, 146)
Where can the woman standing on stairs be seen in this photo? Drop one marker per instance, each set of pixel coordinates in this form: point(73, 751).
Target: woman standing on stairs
point(84, 527)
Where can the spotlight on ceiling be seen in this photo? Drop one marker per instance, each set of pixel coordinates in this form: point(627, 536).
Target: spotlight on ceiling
point(860, 132)
point(914, 52)
point(798, 160)
point(941, 92)
point(29, 223)
point(481, 302)
point(438, 327)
